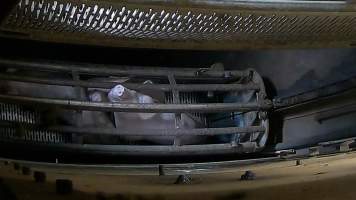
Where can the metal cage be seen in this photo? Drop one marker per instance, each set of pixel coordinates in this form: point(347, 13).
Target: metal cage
point(20, 115)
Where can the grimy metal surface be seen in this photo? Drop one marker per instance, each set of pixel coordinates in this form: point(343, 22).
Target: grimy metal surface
point(196, 24)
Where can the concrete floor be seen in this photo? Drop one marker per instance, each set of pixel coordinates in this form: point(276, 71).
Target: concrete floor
point(315, 178)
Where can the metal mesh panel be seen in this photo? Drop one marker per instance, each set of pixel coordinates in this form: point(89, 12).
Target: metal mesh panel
point(17, 114)
point(33, 136)
point(182, 24)
point(11, 112)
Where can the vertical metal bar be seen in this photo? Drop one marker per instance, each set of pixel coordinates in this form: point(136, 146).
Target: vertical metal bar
point(80, 91)
point(176, 100)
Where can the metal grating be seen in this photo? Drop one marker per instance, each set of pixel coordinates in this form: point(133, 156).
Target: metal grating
point(130, 21)
point(17, 114)
point(11, 112)
point(39, 136)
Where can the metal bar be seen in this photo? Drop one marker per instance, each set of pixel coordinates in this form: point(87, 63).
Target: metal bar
point(216, 167)
point(279, 5)
point(144, 108)
point(80, 90)
point(148, 132)
point(337, 141)
point(130, 150)
point(101, 69)
point(145, 169)
point(134, 86)
point(176, 100)
point(81, 96)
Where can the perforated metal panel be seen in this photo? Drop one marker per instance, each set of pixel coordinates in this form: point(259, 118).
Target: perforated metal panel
point(123, 24)
point(127, 24)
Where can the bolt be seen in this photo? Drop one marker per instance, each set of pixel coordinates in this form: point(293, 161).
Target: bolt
point(183, 179)
point(40, 177)
point(64, 186)
point(248, 176)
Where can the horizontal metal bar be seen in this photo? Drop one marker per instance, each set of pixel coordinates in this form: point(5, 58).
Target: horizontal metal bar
point(216, 167)
point(142, 108)
point(278, 5)
point(101, 69)
point(131, 150)
point(148, 132)
point(134, 86)
point(145, 169)
point(89, 169)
